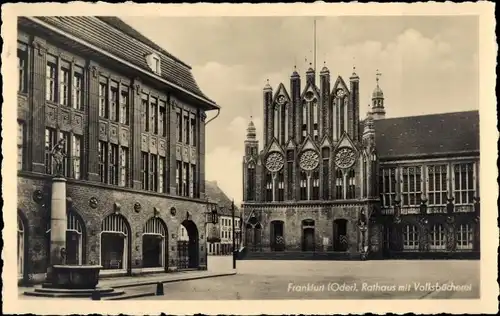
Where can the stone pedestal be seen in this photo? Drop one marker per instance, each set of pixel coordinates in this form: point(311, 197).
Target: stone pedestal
point(58, 221)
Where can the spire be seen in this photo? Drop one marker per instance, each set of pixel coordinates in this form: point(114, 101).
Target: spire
point(251, 130)
point(295, 74)
point(377, 93)
point(368, 125)
point(314, 48)
point(354, 75)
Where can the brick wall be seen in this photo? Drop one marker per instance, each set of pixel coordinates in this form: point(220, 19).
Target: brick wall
point(323, 216)
point(37, 216)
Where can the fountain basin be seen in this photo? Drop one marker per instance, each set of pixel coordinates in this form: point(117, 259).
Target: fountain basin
point(73, 277)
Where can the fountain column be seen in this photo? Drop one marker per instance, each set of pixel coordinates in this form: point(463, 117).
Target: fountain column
point(58, 221)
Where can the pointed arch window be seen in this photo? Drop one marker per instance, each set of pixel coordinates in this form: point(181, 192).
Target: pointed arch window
point(303, 186)
point(269, 187)
point(305, 119)
point(285, 122)
point(276, 126)
point(339, 184)
point(326, 172)
point(351, 184)
point(315, 120)
point(251, 182)
point(280, 196)
point(315, 185)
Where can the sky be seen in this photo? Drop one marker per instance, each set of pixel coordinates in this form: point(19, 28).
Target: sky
point(429, 64)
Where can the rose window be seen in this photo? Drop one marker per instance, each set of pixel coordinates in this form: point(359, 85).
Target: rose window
point(345, 158)
point(309, 160)
point(274, 162)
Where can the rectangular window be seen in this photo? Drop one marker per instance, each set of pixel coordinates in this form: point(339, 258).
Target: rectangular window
point(185, 131)
point(113, 102)
point(178, 123)
point(153, 173)
point(191, 180)
point(123, 166)
point(22, 67)
point(463, 184)
point(124, 105)
point(339, 185)
point(103, 161)
point(76, 154)
point(144, 170)
point(153, 115)
point(437, 237)
point(178, 173)
point(437, 187)
point(185, 179)
point(388, 186)
point(156, 64)
point(192, 131)
point(20, 145)
point(67, 141)
point(64, 73)
point(50, 142)
point(50, 81)
point(162, 119)
point(410, 237)
point(103, 97)
point(77, 94)
point(113, 164)
point(465, 237)
point(144, 112)
point(411, 190)
point(161, 177)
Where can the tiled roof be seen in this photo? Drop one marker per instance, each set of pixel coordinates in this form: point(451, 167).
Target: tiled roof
point(427, 135)
point(118, 38)
point(215, 194)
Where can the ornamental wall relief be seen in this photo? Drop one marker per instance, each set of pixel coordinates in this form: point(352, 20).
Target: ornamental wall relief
point(345, 158)
point(309, 160)
point(274, 162)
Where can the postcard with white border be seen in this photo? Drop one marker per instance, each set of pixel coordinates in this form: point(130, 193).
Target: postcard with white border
point(249, 159)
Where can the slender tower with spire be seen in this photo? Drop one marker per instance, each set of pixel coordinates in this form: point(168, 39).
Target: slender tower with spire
point(378, 109)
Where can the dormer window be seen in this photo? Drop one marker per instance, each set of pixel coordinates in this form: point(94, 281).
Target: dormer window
point(154, 63)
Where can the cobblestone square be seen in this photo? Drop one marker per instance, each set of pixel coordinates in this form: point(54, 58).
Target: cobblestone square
point(267, 280)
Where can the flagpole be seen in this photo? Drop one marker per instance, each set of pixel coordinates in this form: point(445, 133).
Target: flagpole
point(233, 239)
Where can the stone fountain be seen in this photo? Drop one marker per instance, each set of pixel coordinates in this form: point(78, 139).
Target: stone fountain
point(65, 280)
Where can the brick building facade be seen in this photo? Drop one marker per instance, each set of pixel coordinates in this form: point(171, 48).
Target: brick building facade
point(327, 185)
point(133, 120)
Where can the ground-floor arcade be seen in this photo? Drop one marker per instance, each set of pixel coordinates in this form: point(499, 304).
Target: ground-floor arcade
point(126, 232)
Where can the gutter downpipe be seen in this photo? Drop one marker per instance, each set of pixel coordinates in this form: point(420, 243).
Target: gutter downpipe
point(213, 118)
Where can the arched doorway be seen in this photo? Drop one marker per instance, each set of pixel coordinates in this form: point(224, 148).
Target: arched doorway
point(253, 234)
point(277, 236)
point(188, 245)
point(308, 235)
point(75, 239)
point(154, 244)
point(340, 242)
point(115, 243)
point(21, 243)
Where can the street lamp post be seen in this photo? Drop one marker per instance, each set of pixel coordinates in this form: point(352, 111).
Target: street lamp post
point(233, 235)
